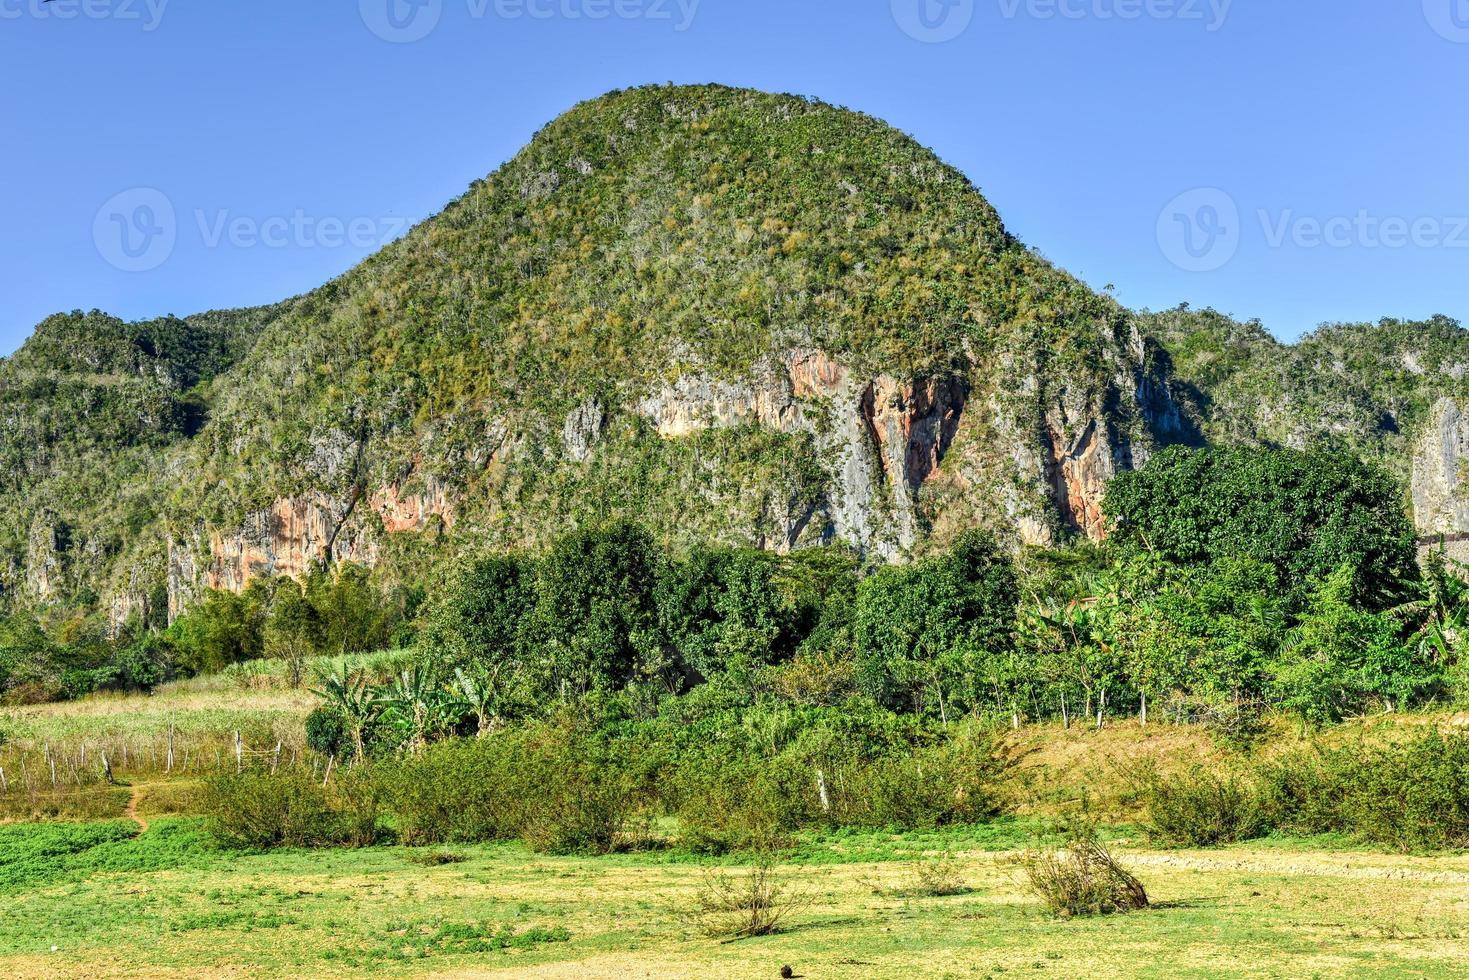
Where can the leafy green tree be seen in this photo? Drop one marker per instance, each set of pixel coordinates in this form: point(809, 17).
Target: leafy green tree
point(1341, 658)
point(722, 611)
point(1206, 631)
point(293, 631)
point(595, 609)
point(139, 664)
point(483, 614)
point(925, 632)
point(30, 668)
point(352, 613)
point(224, 629)
point(1305, 514)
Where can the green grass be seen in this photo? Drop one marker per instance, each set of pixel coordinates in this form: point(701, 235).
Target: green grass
point(170, 901)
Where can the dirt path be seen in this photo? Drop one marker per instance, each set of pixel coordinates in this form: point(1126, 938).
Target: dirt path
point(1307, 865)
point(132, 811)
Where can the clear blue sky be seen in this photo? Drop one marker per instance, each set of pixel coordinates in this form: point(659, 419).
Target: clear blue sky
point(1081, 120)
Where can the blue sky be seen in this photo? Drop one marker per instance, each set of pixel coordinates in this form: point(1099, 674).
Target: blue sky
point(1299, 161)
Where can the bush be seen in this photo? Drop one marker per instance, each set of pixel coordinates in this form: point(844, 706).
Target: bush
point(326, 732)
point(1083, 879)
point(548, 784)
point(1413, 796)
point(454, 792)
point(935, 876)
point(259, 810)
point(754, 903)
point(830, 769)
point(1201, 808)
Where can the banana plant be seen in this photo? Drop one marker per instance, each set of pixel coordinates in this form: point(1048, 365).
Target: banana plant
point(479, 689)
point(357, 703)
point(420, 707)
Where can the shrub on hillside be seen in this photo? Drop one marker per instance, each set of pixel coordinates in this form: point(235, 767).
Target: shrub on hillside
point(1412, 796)
point(1201, 807)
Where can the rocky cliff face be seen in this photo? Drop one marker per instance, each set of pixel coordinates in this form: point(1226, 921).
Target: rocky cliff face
point(884, 440)
point(297, 535)
point(880, 438)
point(1440, 494)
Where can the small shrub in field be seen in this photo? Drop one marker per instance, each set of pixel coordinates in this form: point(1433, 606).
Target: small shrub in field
point(754, 902)
point(939, 876)
point(435, 858)
point(1082, 879)
point(1201, 808)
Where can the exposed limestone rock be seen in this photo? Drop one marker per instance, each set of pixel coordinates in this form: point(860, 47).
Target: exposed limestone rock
point(43, 556)
point(296, 535)
point(1440, 496)
point(582, 428)
point(882, 438)
point(134, 599)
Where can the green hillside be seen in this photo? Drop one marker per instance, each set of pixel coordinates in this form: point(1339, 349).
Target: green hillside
point(739, 318)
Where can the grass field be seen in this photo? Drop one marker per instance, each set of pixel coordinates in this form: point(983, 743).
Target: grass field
point(156, 897)
point(99, 900)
